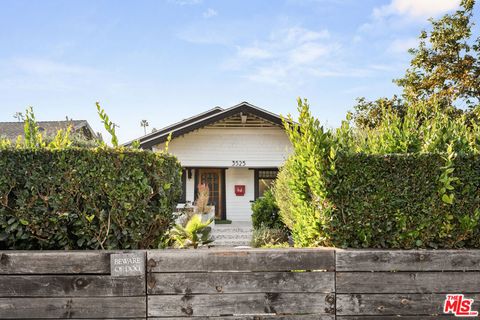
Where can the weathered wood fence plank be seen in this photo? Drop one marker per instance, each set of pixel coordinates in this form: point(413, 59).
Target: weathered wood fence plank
point(240, 282)
point(435, 317)
point(240, 260)
point(232, 304)
point(407, 282)
point(411, 260)
point(55, 262)
point(106, 307)
point(70, 286)
point(258, 317)
point(392, 304)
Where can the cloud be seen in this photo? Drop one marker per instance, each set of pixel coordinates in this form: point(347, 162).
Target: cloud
point(253, 53)
point(38, 74)
point(308, 53)
point(401, 46)
point(285, 56)
point(293, 45)
point(210, 13)
point(417, 9)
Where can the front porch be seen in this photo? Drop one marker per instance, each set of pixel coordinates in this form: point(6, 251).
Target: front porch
point(232, 190)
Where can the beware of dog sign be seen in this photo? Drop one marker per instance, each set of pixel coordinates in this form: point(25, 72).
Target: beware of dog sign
point(127, 264)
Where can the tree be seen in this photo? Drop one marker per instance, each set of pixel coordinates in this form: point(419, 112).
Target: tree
point(19, 116)
point(445, 69)
point(369, 114)
point(144, 124)
point(446, 65)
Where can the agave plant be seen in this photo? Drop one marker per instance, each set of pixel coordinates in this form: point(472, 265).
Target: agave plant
point(195, 233)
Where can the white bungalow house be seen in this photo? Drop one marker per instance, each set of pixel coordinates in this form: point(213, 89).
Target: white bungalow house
point(235, 151)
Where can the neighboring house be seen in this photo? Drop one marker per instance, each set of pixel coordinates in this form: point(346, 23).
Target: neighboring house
point(81, 128)
point(235, 151)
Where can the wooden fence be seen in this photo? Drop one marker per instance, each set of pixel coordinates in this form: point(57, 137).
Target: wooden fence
point(67, 285)
point(247, 284)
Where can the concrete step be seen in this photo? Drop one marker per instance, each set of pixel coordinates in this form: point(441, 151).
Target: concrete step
point(245, 236)
point(230, 243)
point(223, 233)
point(232, 229)
point(232, 235)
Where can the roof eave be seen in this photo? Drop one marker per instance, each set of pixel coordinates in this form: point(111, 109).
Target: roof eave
point(242, 107)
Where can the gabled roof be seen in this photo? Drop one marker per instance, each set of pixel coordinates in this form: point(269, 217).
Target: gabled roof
point(204, 119)
point(11, 130)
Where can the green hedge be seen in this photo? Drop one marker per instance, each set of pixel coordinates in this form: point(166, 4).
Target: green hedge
point(411, 182)
point(86, 198)
point(393, 201)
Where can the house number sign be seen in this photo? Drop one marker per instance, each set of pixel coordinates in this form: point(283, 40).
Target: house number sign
point(127, 264)
point(239, 163)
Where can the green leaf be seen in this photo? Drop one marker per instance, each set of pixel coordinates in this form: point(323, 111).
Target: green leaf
point(447, 199)
point(80, 242)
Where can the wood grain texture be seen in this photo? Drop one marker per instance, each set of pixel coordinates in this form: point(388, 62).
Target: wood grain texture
point(408, 260)
point(392, 304)
point(240, 282)
point(230, 304)
point(407, 282)
point(107, 307)
point(240, 260)
point(258, 317)
point(433, 317)
point(54, 262)
point(70, 286)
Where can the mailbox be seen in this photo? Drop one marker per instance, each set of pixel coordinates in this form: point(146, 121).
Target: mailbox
point(239, 190)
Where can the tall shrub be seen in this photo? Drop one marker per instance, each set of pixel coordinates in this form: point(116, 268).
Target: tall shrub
point(311, 164)
point(86, 198)
point(57, 196)
point(410, 182)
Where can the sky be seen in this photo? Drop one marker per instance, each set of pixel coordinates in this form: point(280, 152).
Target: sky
point(166, 60)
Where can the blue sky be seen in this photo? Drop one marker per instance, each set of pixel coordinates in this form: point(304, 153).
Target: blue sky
point(165, 60)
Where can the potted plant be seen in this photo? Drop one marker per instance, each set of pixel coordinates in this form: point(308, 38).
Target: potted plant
point(201, 204)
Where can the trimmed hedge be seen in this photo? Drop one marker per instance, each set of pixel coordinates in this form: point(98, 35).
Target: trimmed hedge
point(410, 182)
point(393, 201)
point(86, 198)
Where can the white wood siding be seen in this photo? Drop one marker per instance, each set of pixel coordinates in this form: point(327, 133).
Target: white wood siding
point(239, 207)
point(219, 147)
point(261, 147)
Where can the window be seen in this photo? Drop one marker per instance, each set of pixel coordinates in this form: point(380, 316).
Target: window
point(264, 179)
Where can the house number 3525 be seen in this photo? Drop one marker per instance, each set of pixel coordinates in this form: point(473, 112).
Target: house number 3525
point(239, 163)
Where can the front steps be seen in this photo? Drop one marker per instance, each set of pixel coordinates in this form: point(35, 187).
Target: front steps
point(232, 235)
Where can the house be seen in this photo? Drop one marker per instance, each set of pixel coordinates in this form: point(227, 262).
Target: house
point(81, 128)
point(235, 151)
